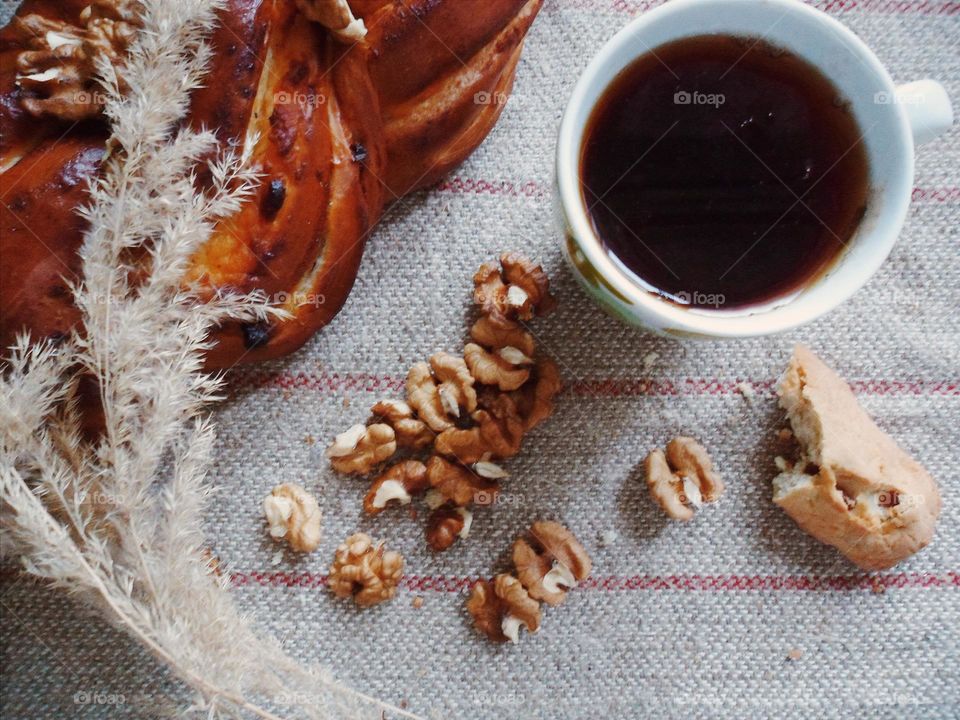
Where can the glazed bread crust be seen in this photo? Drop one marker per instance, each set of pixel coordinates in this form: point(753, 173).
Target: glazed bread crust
point(339, 129)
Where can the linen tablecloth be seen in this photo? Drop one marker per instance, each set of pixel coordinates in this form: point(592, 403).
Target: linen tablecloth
point(736, 614)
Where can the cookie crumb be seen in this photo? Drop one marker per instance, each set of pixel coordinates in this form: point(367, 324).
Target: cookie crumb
point(418, 602)
point(346, 402)
point(309, 439)
point(649, 359)
point(747, 390)
point(795, 654)
point(608, 537)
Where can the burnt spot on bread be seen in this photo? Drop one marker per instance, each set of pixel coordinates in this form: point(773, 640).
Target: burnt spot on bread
point(297, 73)
point(60, 291)
point(273, 199)
point(283, 128)
point(246, 64)
point(359, 152)
point(256, 335)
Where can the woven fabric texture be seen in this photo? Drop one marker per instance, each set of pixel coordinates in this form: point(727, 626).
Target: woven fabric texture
point(736, 614)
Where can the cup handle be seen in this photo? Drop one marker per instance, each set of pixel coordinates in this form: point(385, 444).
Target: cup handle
point(928, 109)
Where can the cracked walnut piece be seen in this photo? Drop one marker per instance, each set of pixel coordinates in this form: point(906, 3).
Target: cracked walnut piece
point(424, 397)
point(683, 478)
point(552, 564)
point(534, 401)
point(365, 571)
point(497, 434)
point(411, 432)
point(854, 487)
point(517, 290)
point(500, 607)
point(58, 74)
point(494, 336)
point(362, 448)
point(446, 524)
point(457, 483)
point(294, 516)
point(456, 384)
point(505, 368)
point(398, 483)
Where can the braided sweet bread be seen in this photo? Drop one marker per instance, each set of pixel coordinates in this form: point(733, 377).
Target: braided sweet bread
point(341, 126)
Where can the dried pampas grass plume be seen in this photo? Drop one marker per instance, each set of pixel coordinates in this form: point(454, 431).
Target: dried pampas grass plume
point(119, 519)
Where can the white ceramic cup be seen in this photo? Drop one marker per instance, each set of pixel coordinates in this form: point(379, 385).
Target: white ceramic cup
point(893, 119)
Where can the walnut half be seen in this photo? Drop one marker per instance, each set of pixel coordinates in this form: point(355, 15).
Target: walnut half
point(447, 524)
point(553, 563)
point(500, 607)
point(58, 72)
point(516, 290)
point(294, 516)
point(362, 448)
point(398, 483)
point(365, 571)
point(682, 479)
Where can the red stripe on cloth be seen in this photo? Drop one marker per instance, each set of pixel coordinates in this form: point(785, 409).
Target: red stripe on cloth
point(602, 388)
point(623, 583)
point(459, 185)
point(611, 583)
point(923, 7)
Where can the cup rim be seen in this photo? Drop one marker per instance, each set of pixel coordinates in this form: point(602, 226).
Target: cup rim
point(676, 318)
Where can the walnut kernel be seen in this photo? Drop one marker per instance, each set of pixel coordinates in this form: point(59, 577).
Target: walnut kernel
point(682, 479)
point(398, 483)
point(494, 336)
point(365, 571)
point(424, 397)
point(362, 447)
point(517, 289)
point(500, 607)
point(294, 516)
point(456, 384)
point(507, 372)
point(456, 483)
point(553, 563)
point(446, 525)
point(412, 433)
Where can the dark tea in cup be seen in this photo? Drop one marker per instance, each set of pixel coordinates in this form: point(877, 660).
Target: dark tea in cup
point(723, 172)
